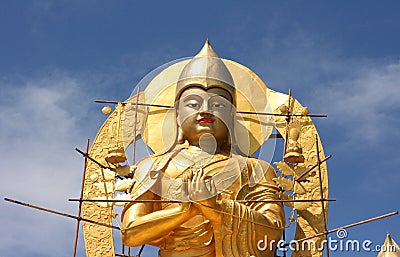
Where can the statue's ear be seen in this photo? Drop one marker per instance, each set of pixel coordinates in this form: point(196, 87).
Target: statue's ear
point(178, 122)
point(177, 116)
point(181, 137)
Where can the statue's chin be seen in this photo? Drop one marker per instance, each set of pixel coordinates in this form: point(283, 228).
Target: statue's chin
point(209, 142)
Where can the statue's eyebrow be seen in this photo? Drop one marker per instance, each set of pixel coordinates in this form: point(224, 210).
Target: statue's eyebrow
point(216, 95)
point(197, 96)
point(190, 97)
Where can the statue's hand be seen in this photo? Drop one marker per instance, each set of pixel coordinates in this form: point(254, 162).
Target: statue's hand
point(203, 193)
point(186, 205)
point(202, 189)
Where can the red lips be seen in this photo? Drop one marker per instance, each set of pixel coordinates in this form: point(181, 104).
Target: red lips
point(206, 120)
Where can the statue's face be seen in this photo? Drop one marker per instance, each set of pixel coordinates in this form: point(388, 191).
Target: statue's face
point(203, 112)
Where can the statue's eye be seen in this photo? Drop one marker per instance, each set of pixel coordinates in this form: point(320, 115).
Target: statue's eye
point(218, 105)
point(193, 105)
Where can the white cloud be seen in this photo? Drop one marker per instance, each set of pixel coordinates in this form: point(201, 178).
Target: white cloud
point(366, 103)
point(39, 130)
point(43, 118)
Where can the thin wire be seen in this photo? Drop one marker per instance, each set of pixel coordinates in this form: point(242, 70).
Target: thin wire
point(116, 221)
point(141, 250)
point(322, 192)
point(135, 127)
point(81, 196)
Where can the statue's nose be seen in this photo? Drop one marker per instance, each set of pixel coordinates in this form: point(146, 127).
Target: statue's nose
point(204, 107)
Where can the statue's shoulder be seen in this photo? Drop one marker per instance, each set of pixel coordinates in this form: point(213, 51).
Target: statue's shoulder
point(259, 170)
point(258, 163)
point(145, 176)
point(150, 164)
point(147, 172)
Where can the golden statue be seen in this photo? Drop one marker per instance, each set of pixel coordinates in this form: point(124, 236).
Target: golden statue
point(207, 173)
point(202, 193)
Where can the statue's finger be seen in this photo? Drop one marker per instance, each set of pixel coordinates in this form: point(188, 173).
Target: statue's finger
point(190, 189)
point(184, 177)
point(213, 188)
point(196, 176)
point(185, 187)
point(189, 174)
point(201, 174)
point(196, 180)
point(197, 187)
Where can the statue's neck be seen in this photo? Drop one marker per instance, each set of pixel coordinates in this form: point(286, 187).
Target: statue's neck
point(196, 149)
point(205, 146)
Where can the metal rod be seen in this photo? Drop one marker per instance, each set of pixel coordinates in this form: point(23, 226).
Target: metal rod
point(321, 192)
point(81, 197)
point(135, 127)
point(285, 115)
point(176, 201)
point(285, 201)
point(60, 213)
point(287, 124)
point(241, 112)
point(233, 215)
point(144, 104)
point(123, 255)
point(141, 250)
point(284, 240)
point(313, 167)
point(350, 225)
point(90, 158)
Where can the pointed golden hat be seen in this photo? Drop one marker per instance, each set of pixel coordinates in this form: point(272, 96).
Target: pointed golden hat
point(207, 70)
point(389, 248)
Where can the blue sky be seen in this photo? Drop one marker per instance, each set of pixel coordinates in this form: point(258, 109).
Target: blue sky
point(341, 58)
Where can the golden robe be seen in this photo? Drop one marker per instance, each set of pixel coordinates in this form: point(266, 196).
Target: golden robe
point(244, 186)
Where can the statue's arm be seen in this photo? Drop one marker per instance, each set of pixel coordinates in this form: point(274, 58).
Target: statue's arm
point(141, 224)
point(267, 218)
point(147, 223)
point(271, 214)
point(259, 220)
